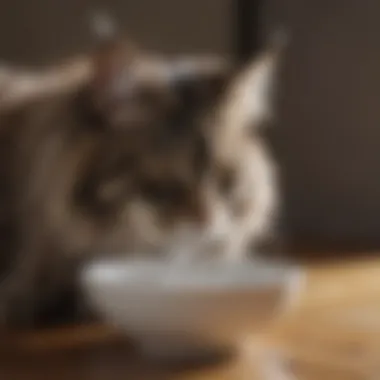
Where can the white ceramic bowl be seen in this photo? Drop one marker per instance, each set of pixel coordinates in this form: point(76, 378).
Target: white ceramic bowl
point(175, 310)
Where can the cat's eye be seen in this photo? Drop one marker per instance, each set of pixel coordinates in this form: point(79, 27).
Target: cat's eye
point(112, 190)
point(165, 192)
point(155, 97)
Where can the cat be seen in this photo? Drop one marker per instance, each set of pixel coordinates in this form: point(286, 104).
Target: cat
point(147, 154)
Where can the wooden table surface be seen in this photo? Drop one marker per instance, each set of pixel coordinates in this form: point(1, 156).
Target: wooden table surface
point(332, 334)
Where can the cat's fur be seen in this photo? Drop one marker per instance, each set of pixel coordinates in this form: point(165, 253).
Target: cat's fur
point(142, 157)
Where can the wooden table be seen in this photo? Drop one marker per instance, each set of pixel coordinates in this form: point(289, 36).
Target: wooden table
point(333, 334)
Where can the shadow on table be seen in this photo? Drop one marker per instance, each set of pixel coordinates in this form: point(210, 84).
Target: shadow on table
point(112, 361)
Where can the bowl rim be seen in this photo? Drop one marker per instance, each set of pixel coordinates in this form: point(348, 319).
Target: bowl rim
point(156, 276)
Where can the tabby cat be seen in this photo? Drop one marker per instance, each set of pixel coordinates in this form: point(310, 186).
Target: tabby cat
point(145, 154)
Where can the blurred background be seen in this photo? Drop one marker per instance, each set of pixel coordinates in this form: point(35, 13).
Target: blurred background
point(327, 138)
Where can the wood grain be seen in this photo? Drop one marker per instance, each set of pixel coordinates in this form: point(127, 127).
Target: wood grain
point(333, 334)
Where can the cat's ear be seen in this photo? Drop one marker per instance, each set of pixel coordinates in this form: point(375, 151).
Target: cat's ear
point(200, 78)
point(111, 64)
point(103, 26)
point(250, 97)
point(111, 60)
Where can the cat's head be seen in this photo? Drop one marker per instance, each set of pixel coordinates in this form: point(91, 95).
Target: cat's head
point(146, 169)
point(147, 175)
